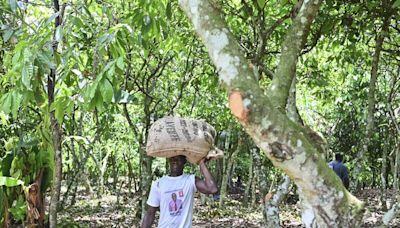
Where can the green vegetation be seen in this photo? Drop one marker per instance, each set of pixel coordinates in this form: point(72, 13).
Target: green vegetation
point(81, 82)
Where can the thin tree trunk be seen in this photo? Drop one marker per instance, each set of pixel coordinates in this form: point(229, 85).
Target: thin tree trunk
point(397, 147)
point(272, 202)
point(130, 173)
point(145, 180)
point(229, 162)
point(224, 182)
point(371, 100)
point(396, 172)
point(383, 179)
point(248, 184)
point(253, 189)
point(56, 130)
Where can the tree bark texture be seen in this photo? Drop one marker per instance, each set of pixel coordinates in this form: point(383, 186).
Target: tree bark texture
point(145, 179)
point(272, 202)
point(284, 142)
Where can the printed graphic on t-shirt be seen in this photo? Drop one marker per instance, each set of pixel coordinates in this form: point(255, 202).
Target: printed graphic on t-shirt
point(175, 203)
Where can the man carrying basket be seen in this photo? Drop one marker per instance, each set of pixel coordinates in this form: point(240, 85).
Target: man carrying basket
point(179, 140)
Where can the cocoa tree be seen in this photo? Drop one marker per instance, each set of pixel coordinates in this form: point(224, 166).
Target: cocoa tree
point(285, 143)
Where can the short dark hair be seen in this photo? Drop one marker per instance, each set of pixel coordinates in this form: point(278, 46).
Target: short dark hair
point(183, 157)
point(338, 157)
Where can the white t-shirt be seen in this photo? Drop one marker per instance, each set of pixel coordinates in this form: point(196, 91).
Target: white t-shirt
point(174, 196)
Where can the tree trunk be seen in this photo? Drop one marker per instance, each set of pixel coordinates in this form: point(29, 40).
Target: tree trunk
point(56, 131)
point(224, 182)
point(397, 147)
point(248, 184)
point(396, 172)
point(383, 178)
point(145, 179)
point(272, 202)
point(253, 190)
point(285, 143)
point(371, 100)
point(229, 162)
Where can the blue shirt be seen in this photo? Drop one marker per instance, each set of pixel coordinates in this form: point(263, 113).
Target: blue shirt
point(340, 170)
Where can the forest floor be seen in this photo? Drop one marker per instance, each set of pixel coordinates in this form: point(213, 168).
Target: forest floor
point(113, 211)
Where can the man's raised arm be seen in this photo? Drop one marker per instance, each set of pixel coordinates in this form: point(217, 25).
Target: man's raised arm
point(206, 186)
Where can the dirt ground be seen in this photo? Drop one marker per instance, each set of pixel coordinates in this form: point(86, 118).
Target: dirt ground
point(110, 211)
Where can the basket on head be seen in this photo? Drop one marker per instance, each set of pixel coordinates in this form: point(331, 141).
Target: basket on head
point(173, 136)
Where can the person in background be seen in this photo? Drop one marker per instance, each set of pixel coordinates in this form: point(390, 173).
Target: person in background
point(173, 195)
point(340, 169)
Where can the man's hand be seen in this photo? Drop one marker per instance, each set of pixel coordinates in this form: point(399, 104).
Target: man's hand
point(149, 217)
point(203, 161)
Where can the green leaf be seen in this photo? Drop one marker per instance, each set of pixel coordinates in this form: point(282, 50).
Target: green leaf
point(261, 3)
point(7, 34)
point(10, 181)
point(90, 90)
point(106, 90)
point(396, 4)
point(59, 111)
point(120, 63)
point(6, 103)
point(147, 23)
point(4, 119)
point(168, 10)
point(51, 18)
point(59, 33)
point(26, 74)
point(19, 210)
point(124, 97)
point(98, 101)
point(17, 98)
point(77, 72)
point(46, 58)
point(77, 22)
point(13, 5)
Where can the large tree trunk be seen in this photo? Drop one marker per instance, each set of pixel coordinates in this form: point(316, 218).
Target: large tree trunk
point(285, 143)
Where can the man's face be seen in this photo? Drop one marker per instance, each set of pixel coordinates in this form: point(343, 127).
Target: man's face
point(176, 164)
point(173, 196)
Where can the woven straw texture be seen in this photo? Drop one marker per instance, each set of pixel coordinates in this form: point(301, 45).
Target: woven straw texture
point(172, 136)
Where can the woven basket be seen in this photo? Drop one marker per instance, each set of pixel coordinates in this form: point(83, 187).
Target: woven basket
point(173, 136)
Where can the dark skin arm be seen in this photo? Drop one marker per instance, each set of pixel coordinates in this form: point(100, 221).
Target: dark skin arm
point(148, 219)
point(206, 186)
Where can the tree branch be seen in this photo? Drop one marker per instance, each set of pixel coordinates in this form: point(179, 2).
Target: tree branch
point(291, 48)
